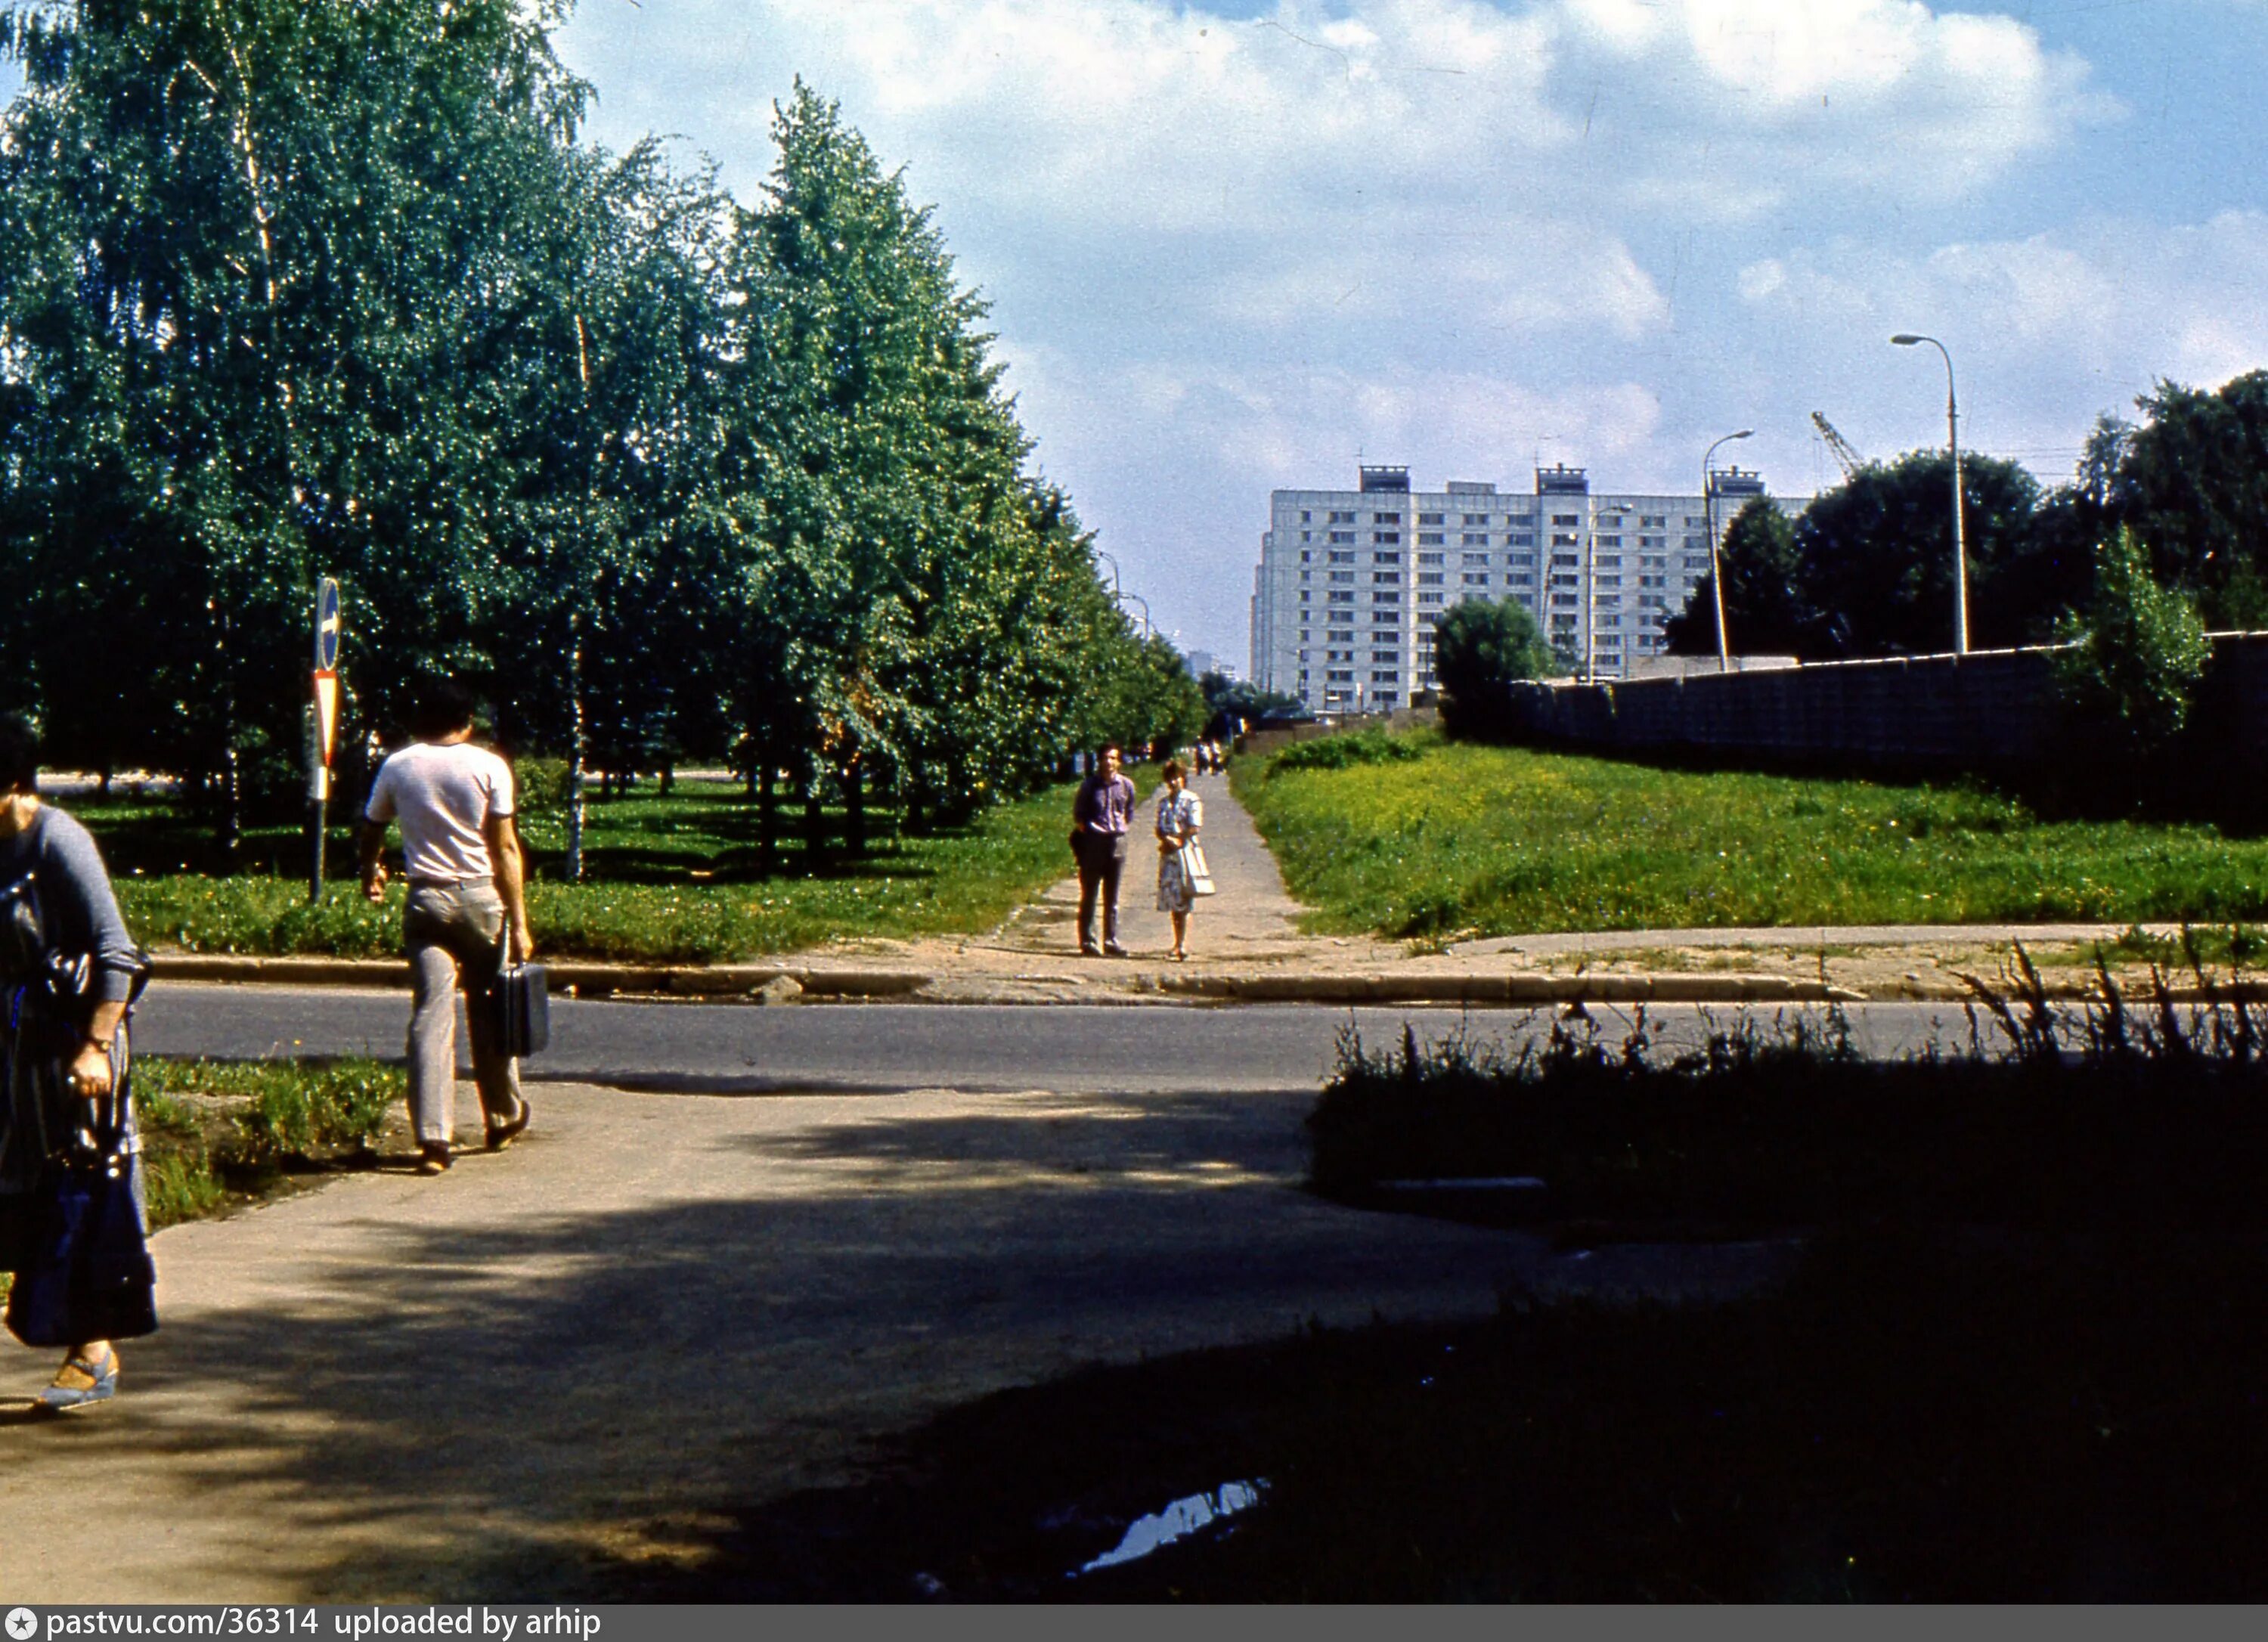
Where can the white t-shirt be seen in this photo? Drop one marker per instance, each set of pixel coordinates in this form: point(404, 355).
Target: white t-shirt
point(444, 796)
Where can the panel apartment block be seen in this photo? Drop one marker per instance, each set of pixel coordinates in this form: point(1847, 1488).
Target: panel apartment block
point(1351, 582)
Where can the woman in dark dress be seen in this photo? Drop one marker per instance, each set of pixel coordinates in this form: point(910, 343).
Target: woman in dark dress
point(72, 1225)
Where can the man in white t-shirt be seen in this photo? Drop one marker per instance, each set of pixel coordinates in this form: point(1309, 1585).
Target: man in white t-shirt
point(461, 854)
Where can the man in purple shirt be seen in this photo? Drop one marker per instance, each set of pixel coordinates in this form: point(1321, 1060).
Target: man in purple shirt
point(1101, 817)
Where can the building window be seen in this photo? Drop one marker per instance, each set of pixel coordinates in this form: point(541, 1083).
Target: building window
point(1386, 658)
point(1432, 598)
point(1701, 562)
point(1608, 561)
point(1342, 535)
point(1429, 558)
point(1385, 535)
point(1431, 519)
point(1340, 558)
point(1341, 575)
point(1483, 519)
point(1393, 578)
point(1474, 540)
point(1564, 541)
point(1341, 518)
point(1306, 519)
point(1386, 518)
point(1615, 541)
point(1432, 538)
point(1663, 581)
point(1569, 560)
point(1663, 541)
point(1527, 578)
point(1655, 521)
point(1432, 578)
point(1692, 523)
point(1339, 635)
point(1385, 558)
point(1348, 677)
point(1481, 580)
point(1577, 518)
point(1386, 598)
point(1527, 539)
point(1339, 597)
point(1307, 575)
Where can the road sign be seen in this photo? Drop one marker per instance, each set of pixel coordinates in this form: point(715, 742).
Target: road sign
point(327, 628)
point(326, 714)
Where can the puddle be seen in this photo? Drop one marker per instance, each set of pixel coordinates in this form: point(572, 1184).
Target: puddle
point(1185, 1516)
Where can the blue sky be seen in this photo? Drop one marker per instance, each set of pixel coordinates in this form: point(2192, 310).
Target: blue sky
point(1229, 247)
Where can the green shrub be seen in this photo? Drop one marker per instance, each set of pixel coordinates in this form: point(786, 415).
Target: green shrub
point(1480, 649)
point(2135, 660)
point(1344, 751)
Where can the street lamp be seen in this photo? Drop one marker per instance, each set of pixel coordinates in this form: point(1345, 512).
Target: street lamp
point(1907, 339)
point(1148, 626)
point(1716, 570)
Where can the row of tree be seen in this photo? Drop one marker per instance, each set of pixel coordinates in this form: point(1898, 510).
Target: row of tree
point(296, 288)
point(1866, 569)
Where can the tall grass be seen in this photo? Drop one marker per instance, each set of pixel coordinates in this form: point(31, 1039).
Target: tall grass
point(212, 1130)
point(1467, 840)
point(2109, 1117)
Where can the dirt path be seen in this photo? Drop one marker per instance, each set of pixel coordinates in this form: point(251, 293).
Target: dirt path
point(507, 1381)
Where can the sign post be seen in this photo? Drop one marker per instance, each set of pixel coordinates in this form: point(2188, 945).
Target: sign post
point(324, 725)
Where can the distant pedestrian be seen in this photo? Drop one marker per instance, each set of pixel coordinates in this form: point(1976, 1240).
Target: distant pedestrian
point(1101, 817)
point(72, 1227)
point(1179, 817)
point(466, 911)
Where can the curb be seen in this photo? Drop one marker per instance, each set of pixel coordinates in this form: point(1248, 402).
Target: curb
point(764, 982)
point(1422, 988)
point(583, 979)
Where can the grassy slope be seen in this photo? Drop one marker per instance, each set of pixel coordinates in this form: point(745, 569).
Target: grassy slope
point(1503, 841)
point(675, 879)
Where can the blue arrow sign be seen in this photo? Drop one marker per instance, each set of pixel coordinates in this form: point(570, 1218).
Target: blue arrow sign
point(327, 625)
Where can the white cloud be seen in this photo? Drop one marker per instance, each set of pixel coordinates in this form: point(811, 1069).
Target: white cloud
point(1226, 253)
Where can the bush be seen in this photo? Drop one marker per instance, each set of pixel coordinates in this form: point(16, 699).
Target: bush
point(1344, 751)
point(1480, 649)
point(2135, 660)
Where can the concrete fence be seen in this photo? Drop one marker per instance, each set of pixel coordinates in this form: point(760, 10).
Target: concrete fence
point(1987, 711)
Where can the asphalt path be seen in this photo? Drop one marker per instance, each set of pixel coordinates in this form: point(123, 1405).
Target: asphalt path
point(882, 1049)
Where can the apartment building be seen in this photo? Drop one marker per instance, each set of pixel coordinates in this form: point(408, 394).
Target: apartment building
point(1350, 582)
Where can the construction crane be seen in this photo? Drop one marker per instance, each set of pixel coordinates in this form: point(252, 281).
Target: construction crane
point(1838, 446)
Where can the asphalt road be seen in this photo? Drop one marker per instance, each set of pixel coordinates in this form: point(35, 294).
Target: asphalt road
point(728, 1049)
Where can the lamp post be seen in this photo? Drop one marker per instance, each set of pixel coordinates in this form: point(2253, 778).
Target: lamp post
point(1716, 570)
point(1907, 339)
point(1148, 626)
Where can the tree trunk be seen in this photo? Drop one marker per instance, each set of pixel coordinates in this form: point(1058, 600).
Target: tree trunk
point(580, 749)
point(669, 779)
point(853, 777)
point(760, 778)
point(815, 828)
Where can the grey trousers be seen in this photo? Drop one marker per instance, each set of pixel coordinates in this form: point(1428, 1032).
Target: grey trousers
point(455, 938)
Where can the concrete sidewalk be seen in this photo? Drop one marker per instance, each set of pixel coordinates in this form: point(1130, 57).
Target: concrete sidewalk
point(511, 1381)
point(1247, 945)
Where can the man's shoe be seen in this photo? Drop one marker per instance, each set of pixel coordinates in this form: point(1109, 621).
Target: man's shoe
point(1112, 949)
point(502, 1135)
point(433, 1159)
point(1088, 949)
point(79, 1384)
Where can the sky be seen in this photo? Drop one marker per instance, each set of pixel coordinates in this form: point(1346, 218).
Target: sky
point(1244, 246)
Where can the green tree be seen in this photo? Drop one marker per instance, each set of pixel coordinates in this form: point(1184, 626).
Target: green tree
point(1766, 612)
point(2135, 657)
point(2192, 482)
point(1480, 648)
point(1877, 559)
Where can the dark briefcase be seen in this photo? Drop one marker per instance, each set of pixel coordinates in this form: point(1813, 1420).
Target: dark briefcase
point(521, 1000)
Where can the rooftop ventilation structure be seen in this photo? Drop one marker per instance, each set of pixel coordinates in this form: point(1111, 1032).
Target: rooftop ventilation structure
point(1561, 480)
point(1386, 479)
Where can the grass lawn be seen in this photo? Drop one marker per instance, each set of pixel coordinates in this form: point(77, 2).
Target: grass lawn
point(1465, 841)
point(670, 879)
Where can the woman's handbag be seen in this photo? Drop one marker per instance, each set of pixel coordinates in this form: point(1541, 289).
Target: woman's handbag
point(1194, 869)
point(86, 1273)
